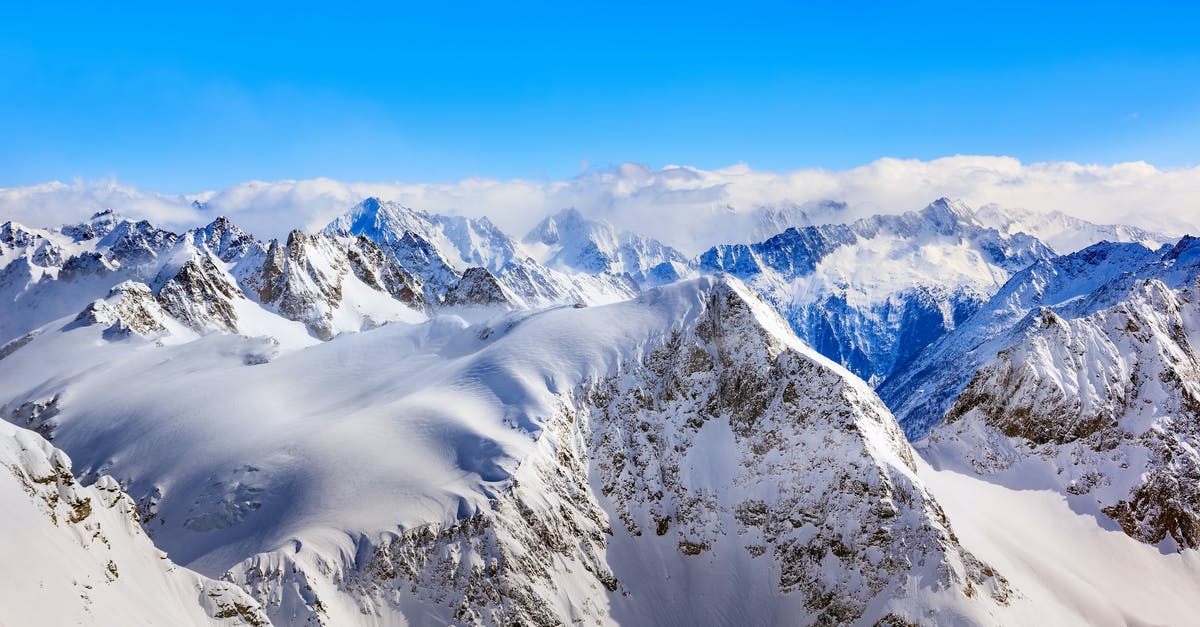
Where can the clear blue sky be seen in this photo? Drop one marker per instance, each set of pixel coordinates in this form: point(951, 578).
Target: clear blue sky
point(189, 96)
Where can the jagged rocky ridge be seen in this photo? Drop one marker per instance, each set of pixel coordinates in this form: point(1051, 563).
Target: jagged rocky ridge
point(217, 278)
point(379, 263)
point(921, 394)
point(440, 249)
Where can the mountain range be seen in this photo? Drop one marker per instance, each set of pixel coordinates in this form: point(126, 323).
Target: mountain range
point(412, 418)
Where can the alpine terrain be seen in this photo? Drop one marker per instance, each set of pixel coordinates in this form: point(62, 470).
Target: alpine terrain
point(408, 418)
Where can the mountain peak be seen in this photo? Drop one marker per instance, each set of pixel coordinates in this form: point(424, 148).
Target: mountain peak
point(380, 220)
point(947, 211)
point(568, 223)
point(1188, 247)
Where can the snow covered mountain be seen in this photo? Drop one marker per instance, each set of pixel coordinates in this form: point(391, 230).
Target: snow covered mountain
point(1064, 233)
point(871, 294)
point(770, 220)
point(922, 394)
point(618, 464)
point(569, 241)
point(1083, 376)
point(214, 278)
point(440, 249)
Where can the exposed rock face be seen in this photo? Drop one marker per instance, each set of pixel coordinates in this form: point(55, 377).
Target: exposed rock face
point(372, 267)
point(298, 286)
point(417, 255)
point(83, 557)
point(1102, 394)
point(477, 288)
point(84, 264)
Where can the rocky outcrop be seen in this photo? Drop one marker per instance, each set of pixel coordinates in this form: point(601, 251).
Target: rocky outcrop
point(226, 240)
point(201, 296)
point(129, 308)
point(136, 244)
point(373, 267)
point(304, 280)
point(299, 286)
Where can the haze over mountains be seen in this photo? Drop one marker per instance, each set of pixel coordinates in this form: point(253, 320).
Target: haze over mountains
point(686, 207)
point(400, 417)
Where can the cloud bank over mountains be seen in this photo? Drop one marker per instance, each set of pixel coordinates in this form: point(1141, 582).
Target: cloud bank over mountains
point(684, 206)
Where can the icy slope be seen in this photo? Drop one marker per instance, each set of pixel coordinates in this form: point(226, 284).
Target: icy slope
point(615, 464)
point(77, 555)
point(871, 294)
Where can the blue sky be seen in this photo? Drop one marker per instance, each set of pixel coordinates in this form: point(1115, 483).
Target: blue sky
point(199, 96)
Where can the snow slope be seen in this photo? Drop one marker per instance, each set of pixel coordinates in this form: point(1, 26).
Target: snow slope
point(77, 555)
point(1070, 571)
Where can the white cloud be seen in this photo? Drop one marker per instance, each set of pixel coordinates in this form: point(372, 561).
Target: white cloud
point(686, 206)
